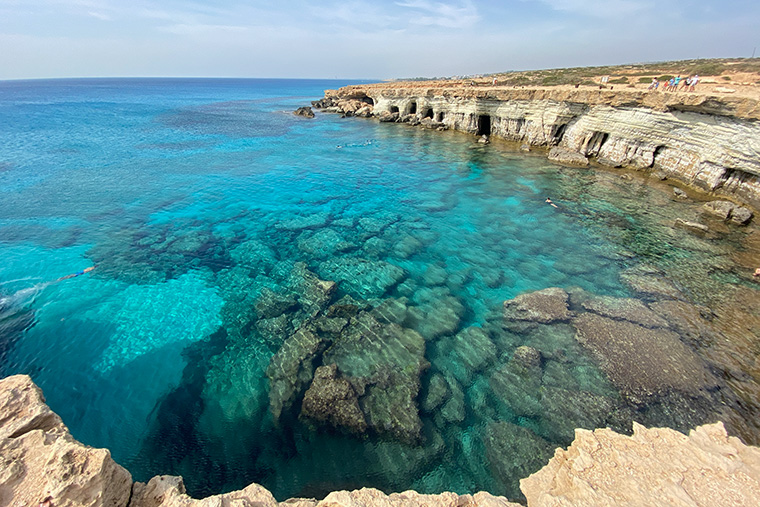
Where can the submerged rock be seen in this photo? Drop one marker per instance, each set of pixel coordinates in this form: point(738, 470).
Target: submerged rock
point(362, 278)
point(640, 361)
point(628, 309)
point(298, 223)
point(383, 362)
point(691, 225)
point(543, 306)
point(332, 400)
point(527, 356)
point(513, 451)
point(437, 393)
point(291, 369)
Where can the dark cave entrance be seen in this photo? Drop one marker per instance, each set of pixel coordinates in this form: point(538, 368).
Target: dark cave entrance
point(439, 117)
point(484, 125)
point(429, 114)
point(413, 108)
point(394, 109)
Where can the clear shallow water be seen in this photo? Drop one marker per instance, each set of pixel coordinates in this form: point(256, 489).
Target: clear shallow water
point(197, 199)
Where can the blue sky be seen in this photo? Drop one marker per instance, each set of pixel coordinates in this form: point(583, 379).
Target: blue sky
point(360, 39)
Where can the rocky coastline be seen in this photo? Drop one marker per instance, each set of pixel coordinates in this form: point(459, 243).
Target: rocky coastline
point(707, 141)
point(41, 462)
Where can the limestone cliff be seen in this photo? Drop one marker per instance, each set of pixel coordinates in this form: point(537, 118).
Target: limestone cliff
point(40, 459)
point(708, 141)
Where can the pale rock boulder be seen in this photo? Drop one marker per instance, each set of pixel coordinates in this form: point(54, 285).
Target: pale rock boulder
point(169, 491)
point(369, 497)
point(657, 466)
point(39, 458)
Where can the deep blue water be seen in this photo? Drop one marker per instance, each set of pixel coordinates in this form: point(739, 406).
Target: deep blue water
point(191, 197)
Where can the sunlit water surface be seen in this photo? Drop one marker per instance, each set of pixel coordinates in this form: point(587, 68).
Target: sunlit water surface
point(195, 199)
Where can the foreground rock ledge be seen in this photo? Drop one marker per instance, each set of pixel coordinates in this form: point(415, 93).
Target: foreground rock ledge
point(39, 458)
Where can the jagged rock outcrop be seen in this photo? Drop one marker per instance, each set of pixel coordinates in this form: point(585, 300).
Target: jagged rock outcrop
point(621, 128)
point(306, 112)
point(39, 458)
point(661, 467)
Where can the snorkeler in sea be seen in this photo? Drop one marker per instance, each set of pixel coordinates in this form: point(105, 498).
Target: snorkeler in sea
point(19, 299)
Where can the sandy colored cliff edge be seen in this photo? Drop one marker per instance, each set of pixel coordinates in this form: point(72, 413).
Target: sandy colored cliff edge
point(656, 466)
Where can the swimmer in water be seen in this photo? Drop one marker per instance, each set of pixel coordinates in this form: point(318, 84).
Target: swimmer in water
point(549, 202)
point(22, 297)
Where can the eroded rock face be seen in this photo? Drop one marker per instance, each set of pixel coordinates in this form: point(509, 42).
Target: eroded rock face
point(565, 156)
point(169, 491)
point(39, 458)
point(662, 467)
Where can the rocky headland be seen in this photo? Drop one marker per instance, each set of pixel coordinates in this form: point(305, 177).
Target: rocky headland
point(707, 140)
point(40, 461)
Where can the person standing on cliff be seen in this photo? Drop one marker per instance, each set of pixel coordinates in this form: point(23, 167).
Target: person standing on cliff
point(694, 82)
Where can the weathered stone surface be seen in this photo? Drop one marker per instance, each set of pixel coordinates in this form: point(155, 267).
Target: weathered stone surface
point(640, 361)
point(628, 309)
point(565, 156)
point(621, 128)
point(661, 467)
point(332, 400)
point(169, 491)
point(306, 112)
point(741, 215)
point(650, 284)
point(39, 458)
point(544, 306)
point(367, 497)
point(721, 209)
point(527, 356)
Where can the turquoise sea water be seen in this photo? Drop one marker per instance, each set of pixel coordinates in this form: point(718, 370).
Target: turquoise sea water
point(196, 199)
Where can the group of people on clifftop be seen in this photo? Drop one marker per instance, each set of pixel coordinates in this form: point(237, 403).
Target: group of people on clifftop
point(688, 84)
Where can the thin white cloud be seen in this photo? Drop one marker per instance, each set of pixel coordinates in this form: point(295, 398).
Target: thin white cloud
point(447, 15)
point(99, 15)
point(599, 9)
point(200, 28)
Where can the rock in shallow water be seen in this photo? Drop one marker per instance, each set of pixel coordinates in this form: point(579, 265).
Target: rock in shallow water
point(543, 306)
point(362, 278)
point(332, 400)
point(640, 361)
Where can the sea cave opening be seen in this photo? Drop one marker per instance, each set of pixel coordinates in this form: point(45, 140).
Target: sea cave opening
point(484, 125)
point(429, 114)
point(412, 108)
point(394, 109)
point(440, 116)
